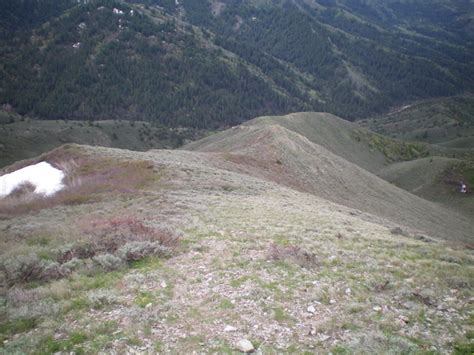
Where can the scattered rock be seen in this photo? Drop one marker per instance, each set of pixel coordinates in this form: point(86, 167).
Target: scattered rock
point(324, 337)
point(163, 284)
point(382, 286)
point(348, 291)
point(377, 308)
point(424, 238)
point(398, 231)
point(229, 328)
point(403, 320)
point(311, 309)
point(245, 346)
point(332, 301)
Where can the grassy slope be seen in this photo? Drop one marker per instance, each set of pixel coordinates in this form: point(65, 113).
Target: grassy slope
point(345, 139)
point(276, 153)
point(28, 138)
point(435, 179)
point(372, 291)
point(447, 121)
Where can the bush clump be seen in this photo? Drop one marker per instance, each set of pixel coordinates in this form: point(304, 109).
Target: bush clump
point(74, 264)
point(53, 271)
point(108, 262)
point(138, 250)
point(293, 253)
point(108, 246)
point(100, 298)
point(27, 268)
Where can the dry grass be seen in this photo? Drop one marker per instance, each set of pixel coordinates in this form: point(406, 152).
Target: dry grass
point(254, 258)
point(88, 179)
point(107, 236)
point(293, 253)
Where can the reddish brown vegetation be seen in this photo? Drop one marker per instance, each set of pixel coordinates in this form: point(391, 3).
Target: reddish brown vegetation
point(88, 179)
point(108, 235)
point(294, 254)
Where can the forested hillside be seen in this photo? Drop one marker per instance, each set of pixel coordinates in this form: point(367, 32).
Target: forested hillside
point(213, 63)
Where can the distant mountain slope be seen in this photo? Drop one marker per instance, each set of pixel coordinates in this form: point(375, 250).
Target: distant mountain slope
point(364, 56)
point(107, 59)
point(218, 63)
point(436, 179)
point(272, 152)
point(25, 138)
point(448, 122)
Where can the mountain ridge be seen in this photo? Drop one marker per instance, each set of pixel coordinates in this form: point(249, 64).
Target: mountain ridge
point(275, 153)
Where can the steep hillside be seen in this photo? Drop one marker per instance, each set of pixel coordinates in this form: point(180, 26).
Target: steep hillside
point(164, 251)
point(364, 56)
point(436, 179)
point(108, 59)
point(348, 140)
point(24, 138)
point(270, 151)
point(218, 63)
point(448, 122)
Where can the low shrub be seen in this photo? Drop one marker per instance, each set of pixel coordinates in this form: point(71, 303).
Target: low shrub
point(108, 262)
point(27, 268)
point(23, 268)
point(110, 244)
point(74, 264)
point(80, 250)
point(138, 250)
point(399, 231)
point(100, 298)
point(54, 271)
point(111, 234)
point(294, 254)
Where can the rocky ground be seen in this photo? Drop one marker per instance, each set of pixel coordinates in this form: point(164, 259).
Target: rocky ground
point(259, 267)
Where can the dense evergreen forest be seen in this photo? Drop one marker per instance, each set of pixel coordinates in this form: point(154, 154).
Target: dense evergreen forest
point(211, 64)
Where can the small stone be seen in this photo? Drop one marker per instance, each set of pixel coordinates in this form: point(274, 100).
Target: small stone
point(348, 291)
point(377, 308)
point(404, 319)
point(323, 337)
point(229, 328)
point(163, 284)
point(311, 309)
point(149, 305)
point(332, 301)
point(245, 346)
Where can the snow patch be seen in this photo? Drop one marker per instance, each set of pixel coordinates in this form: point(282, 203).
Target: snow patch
point(46, 179)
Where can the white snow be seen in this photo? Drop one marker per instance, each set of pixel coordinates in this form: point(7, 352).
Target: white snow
point(46, 179)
